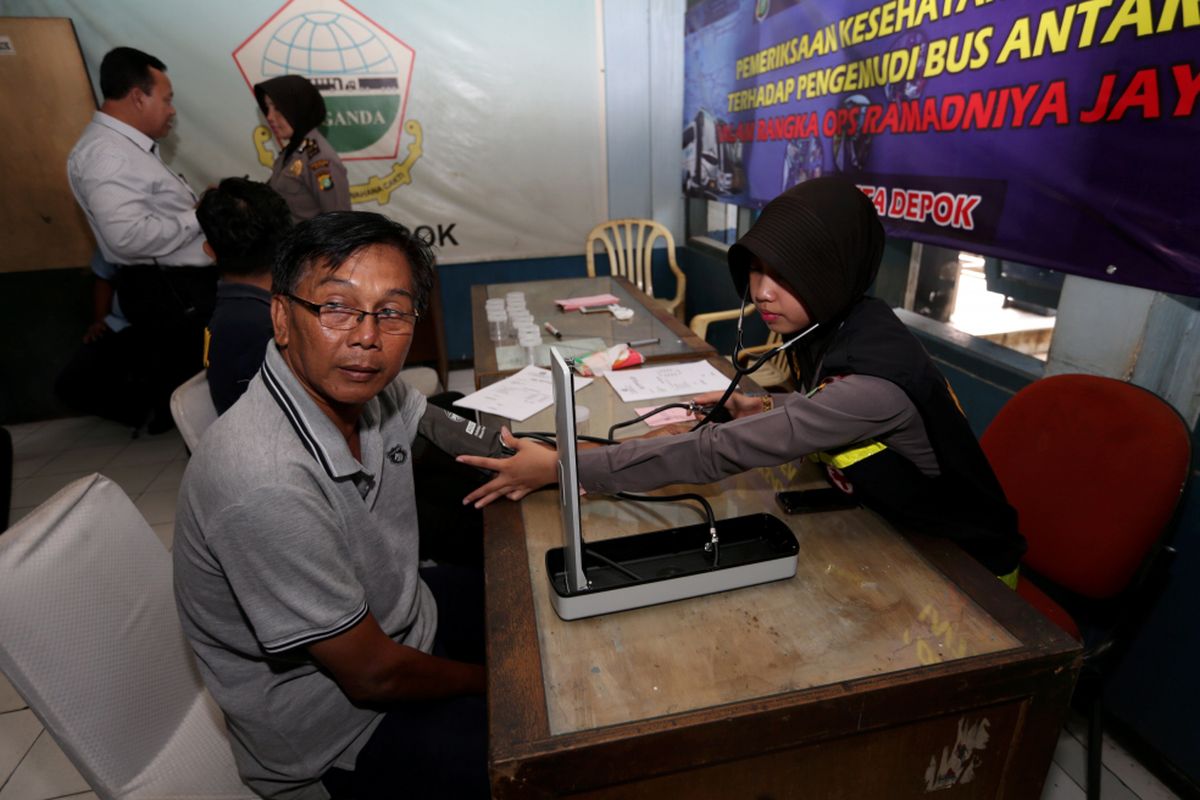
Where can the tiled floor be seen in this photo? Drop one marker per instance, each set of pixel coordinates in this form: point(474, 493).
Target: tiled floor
point(51, 454)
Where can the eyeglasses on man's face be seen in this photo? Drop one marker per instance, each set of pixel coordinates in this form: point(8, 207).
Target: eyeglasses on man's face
point(338, 317)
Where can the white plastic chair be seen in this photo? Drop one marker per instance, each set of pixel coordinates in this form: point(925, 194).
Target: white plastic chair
point(90, 638)
point(629, 245)
point(192, 409)
point(424, 379)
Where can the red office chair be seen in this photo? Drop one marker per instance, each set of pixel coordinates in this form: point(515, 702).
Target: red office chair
point(1095, 468)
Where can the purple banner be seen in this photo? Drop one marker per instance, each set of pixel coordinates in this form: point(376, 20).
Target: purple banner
point(1057, 134)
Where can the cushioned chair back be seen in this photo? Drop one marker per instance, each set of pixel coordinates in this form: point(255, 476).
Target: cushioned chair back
point(90, 638)
point(629, 244)
point(6, 475)
point(192, 409)
point(1095, 468)
point(423, 379)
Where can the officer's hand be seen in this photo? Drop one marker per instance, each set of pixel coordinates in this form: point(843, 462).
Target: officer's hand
point(533, 466)
point(738, 404)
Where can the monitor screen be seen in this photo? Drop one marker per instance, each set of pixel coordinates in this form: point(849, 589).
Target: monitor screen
point(568, 472)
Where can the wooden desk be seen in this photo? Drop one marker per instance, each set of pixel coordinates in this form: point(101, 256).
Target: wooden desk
point(886, 667)
point(650, 320)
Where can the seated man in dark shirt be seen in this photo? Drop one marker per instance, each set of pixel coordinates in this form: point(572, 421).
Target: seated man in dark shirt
point(242, 221)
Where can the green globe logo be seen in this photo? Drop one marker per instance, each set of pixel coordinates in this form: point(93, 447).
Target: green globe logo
point(352, 67)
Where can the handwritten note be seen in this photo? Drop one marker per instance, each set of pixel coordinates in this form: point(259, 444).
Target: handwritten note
point(670, 380)
point(517, 397)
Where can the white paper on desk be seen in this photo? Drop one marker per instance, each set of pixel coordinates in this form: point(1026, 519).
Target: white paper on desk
point(668, 380)
point(517, 397)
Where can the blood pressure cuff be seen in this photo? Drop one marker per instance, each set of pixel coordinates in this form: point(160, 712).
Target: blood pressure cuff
point(458, 435)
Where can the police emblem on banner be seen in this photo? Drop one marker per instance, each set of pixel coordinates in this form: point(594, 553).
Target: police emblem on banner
point(363, 72)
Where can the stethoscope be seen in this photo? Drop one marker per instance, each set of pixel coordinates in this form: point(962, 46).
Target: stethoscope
point(712, 546)
point(740, 372)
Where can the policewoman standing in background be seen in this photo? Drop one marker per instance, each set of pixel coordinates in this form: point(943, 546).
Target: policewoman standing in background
point(307, 173)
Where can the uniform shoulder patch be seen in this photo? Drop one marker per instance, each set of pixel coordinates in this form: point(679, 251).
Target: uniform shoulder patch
point(319, 164)
point(310, 147)
point(324, 181)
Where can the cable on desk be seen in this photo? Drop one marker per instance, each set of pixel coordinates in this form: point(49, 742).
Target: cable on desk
point(647, 415)
point(546, 437)
point(587, 551)
point(714, 542)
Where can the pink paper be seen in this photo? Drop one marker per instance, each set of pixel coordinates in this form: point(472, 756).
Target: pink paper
point(667, 417)
point(576, 303)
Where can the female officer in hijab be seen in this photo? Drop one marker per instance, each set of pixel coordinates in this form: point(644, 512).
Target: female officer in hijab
point(308, 173)
point(874, 409)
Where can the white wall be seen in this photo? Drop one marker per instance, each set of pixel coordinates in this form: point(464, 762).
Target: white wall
point(643, 67)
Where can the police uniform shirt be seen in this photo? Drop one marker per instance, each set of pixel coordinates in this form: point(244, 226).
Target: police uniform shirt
point(140, 211)
point(311, 179)
point(854, 408)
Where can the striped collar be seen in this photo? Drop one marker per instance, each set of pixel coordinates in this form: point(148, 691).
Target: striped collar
point(317, 433)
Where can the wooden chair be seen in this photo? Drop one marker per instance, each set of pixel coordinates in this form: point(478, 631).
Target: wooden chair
point(1095, 468)
point(774, 373)
point(629, 244)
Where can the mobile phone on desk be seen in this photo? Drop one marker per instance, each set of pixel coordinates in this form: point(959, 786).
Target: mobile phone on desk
point(807, 501)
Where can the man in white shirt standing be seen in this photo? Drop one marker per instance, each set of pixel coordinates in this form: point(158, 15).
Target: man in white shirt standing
point(144, 219)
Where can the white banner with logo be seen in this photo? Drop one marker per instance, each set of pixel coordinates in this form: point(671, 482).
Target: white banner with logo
point(480, 126)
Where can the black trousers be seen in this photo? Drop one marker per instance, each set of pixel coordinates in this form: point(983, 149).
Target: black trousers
point(167, 298)
point(119, 376)
point(128, 376)
point(436, 748)
point(172, 306)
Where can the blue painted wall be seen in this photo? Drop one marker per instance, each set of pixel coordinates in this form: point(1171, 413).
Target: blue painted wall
point(1155, 689)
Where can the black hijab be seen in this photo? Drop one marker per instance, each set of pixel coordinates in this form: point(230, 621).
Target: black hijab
point(298, 100)
point(824, 239)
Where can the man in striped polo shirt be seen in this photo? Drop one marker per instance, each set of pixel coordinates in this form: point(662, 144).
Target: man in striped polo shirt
point(341, 667)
